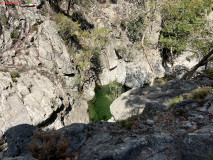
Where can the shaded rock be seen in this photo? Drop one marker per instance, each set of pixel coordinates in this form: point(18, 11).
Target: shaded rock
point(18, 139)
point(0, 29)
point(152, 109)
point(108, 147)
point(20, 158)
point(150, 122)
point(134, 101)
point(183, 107)
point(199, 144)
point(77, 135)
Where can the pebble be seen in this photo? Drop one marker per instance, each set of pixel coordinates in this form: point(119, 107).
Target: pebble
point(150, 122)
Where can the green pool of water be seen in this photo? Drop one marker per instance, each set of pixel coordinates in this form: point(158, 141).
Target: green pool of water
point(99, 107)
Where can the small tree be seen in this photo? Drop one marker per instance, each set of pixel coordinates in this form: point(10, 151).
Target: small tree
point(182, 23)
point(115, 89)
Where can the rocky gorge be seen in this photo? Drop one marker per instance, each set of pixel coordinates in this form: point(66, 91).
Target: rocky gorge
point(42, 87)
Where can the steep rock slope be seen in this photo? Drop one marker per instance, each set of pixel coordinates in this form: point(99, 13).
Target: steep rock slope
point(121, 58)
point(42, 88)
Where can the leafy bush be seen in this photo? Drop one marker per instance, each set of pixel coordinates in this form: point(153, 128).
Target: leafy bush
point(209, 72)
point(108, 5)
point(199, 94)
point(14, 80)
point(128, 123)
point(35, 27)
point(102, 1)
point(56, 71)
point(115, 89)
point(89, 45)
point(123, 53)
point(174, 101)
point(123, 24)
point(15, 34)
point(48, 146)
point(135, 28)
point(180, 21)
point(84, 3)
point(77, 80)
point(4, 19)
point(14, 74)
point(96, 62)
point(68, 29)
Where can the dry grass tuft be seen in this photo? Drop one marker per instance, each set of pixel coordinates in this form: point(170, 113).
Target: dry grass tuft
point(199, 94)
point(49, 146)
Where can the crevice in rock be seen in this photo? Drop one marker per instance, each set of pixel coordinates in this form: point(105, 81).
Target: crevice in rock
point(78, 17)
point(117, 54)
point(52, 117)
point(69, 75)
point(112, 68)
point(1, 29)
point(68, 109)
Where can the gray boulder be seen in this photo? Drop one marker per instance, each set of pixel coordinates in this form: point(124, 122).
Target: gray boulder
point(18, 139)
point(134, 101)
point(199, 144)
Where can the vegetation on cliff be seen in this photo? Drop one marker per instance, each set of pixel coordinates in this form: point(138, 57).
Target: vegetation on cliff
point(184, 26)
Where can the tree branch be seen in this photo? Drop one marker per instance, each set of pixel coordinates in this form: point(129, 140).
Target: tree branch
point(189, 74)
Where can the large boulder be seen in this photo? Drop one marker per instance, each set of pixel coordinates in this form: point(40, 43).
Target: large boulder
point(18, 139)
point(134, 101)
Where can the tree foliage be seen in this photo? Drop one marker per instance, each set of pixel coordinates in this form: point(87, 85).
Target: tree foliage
point(135, 27)
point(181, 21)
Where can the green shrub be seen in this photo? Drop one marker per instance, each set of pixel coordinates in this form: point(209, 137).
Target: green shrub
point(84, 3)
point(15, 34)
point(48, 146)
point(14, 74)
point(115, 89)
point(35, 27)
point(163, 80)
point(4, 19)
point(128, 123)
point(123, 53)
point(174, 101)
point(123, 24)
point(55, 71)
point(180, 20)
point(199, 94)
point(14, 80)
point(96, 62)
point(4, 70)
point(209, 72)
point(136, 27)
point(67, 28)
point(1, 148)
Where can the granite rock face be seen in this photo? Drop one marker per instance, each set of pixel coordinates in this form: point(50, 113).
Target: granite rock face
point(36, 98)
point(43, 91)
